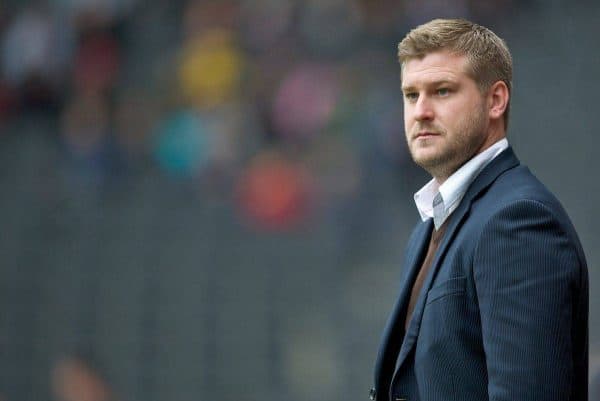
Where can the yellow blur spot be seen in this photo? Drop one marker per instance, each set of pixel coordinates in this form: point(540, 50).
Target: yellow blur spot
point(210, 69)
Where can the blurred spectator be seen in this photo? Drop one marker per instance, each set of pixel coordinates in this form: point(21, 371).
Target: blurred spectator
point(274, 193)
point(35, 53)
point(182, 144)
point(305, 102)
point(96, 64)
point(210, 69)
point(136, 112)
point(86, 135)
point(78, 378)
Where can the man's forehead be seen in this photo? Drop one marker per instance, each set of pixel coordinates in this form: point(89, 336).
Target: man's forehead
point(434, 66)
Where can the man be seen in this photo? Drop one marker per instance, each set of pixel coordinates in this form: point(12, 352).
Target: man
point(494, 301)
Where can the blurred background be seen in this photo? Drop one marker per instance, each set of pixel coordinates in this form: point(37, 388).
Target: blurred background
point(209, 200)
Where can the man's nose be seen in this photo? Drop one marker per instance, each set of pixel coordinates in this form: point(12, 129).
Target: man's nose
point(423, 109)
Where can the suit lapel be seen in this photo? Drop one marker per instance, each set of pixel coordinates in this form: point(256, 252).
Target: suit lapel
point(415, 322)
point(500, 164)
point(394, 330)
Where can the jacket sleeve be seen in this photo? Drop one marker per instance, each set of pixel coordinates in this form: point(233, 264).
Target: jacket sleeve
point(527, 277)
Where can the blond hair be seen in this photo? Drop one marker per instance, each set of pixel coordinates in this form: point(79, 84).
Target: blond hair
point(489, 58)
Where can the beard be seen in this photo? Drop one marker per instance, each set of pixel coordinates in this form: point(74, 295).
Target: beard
point(453, 147)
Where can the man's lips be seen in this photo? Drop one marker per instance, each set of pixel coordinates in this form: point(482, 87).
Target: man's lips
point(425, 134)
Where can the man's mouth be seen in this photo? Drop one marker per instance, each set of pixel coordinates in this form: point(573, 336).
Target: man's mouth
point(425, 134)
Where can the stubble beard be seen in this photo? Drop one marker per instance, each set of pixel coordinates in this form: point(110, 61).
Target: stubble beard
point(456, 149)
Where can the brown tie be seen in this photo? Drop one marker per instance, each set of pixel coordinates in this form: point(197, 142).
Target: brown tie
point(434, 243)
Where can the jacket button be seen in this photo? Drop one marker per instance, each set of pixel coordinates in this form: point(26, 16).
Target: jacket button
point(372, 394)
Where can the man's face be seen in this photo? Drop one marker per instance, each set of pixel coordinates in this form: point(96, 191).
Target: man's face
point(445, 115)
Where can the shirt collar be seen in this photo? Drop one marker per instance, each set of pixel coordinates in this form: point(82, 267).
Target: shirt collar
point(439, 201)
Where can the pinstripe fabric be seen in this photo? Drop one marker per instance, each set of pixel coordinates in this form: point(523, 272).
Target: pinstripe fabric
point(503, 314)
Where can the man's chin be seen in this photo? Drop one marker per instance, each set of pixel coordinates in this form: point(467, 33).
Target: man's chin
point(435, 166)
point(426, 159)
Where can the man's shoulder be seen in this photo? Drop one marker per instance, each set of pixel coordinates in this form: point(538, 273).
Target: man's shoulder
point(518, 189)
point(518, 185)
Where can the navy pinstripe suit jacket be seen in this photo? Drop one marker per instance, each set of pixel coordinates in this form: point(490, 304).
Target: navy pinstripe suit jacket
point(503, 313)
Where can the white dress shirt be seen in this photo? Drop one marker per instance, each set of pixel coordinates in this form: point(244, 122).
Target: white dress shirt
point(439, 201)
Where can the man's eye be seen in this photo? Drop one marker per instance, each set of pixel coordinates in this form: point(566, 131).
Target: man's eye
point(411, 96)
point(443, 92)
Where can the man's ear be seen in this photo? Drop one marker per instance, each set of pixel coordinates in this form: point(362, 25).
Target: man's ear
point(498, 96)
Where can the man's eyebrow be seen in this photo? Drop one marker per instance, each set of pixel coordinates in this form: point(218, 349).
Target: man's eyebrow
point(438, 82)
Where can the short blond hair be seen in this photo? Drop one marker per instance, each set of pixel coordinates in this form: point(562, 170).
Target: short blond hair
point(489, 58)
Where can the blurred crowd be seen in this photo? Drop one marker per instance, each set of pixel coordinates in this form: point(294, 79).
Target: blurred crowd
point(281, 105)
